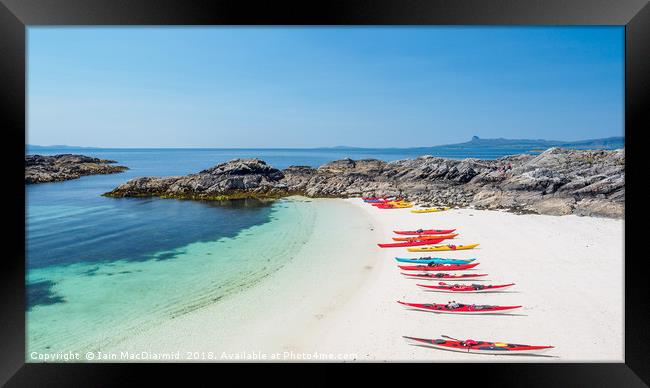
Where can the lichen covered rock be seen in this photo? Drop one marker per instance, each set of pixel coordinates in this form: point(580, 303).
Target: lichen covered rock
point(558, 181)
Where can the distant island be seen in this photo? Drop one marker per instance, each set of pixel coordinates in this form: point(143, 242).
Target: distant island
point(521, 145)
point(615, 142)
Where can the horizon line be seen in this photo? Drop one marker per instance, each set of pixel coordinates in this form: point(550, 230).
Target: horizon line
point(315, 147)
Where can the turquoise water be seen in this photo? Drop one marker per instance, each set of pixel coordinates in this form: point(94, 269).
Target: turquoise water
point(101, 269)
point(104, 302)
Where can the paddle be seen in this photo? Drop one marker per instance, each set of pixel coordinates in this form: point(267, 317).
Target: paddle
point(448, 337)
point(463, 343)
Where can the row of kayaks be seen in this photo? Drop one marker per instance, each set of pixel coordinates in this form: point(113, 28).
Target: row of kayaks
point(438, 268)
point(418, 238)
point(381, 199)
point(421, 237)
point(429, 264)
point(399, 203)
point(428, 237)
point(388, 202)
point(393, 205)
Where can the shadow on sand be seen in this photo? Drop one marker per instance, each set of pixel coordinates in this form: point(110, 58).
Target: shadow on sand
point(485, 292)
point(441, 312)
point(479, 354)
point(451, 280)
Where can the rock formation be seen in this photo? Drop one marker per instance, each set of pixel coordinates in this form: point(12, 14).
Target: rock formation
point(40, 169)
point(557, 181)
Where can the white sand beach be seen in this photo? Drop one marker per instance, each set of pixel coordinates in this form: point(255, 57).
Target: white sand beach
point(340, 298)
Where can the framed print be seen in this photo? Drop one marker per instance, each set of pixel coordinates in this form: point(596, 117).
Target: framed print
point(234, 183)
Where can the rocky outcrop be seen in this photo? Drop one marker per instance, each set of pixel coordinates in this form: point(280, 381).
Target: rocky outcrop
point(557, 181)
point(40, 169)
point(240, 178)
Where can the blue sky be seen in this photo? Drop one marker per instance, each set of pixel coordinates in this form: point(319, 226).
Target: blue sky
point(328, 86)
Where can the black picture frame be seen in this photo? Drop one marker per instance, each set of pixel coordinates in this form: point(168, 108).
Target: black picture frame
point(17, 15)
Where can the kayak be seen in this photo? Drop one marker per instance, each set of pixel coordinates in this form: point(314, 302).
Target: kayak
point(396, 202)
point(430, 210)
point(378, 198)
point(410, 243)
point(437, 267)
point(466, 288)
point(442, 275)
point(481, 347)
point(460, 309)
point(449, 247)
point(389, 206)
point(435, 260)
point(426, 237)
point(424, 231)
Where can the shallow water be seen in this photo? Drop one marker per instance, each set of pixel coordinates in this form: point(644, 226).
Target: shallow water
point(98, 304)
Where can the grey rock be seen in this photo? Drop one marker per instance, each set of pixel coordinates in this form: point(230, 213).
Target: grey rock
point(54, 168)
point(558, 181)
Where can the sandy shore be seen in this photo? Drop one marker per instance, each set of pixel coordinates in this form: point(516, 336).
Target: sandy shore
point(569, 277)
point(568, 272)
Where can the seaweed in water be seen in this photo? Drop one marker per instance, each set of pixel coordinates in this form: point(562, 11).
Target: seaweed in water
point(91, 272)
point(166, 256)
point(40, 293)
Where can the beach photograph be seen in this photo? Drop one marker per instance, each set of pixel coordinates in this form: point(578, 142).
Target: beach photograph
point(325, 194)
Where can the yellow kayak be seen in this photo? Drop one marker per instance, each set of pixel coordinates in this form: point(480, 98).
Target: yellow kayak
point(443, 248)
point(401, 205)
point(430, 210)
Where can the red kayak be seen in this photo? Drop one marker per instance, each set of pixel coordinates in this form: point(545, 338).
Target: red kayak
point(458, 308)
point(424, 231)
point(442, 275)
point(426, 237)
point(471, 346)
point(410, 243)
point(466, 288)
point(437, 267)
point(383, 202)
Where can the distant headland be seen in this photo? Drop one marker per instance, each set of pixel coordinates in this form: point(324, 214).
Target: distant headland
point(523, 145)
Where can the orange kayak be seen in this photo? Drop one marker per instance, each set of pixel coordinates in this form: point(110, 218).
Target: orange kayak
point(426, 237)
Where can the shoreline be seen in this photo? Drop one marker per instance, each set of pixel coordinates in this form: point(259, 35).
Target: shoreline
point(348, 306)
point(556, 311)
point(279, 312)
